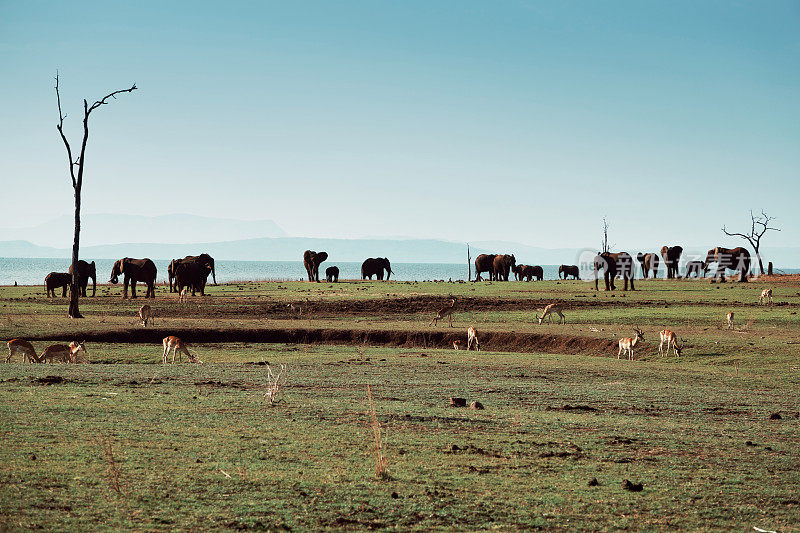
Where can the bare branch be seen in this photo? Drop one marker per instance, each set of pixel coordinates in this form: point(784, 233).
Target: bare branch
point(102, 101)
point(60, 127)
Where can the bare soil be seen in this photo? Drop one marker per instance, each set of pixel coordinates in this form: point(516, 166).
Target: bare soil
point(491, 341)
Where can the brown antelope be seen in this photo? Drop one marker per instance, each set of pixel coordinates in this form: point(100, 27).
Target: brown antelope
point(472, 338)
point(145, 314)
point(730, 319)
point(183, 297)
point(444, 312)
point(671, 339)
point(67, 354)
point(25, 348)
point(549, 310)
point(766, 296)
point(177, 346)
point(626, 344)
point(458, 344)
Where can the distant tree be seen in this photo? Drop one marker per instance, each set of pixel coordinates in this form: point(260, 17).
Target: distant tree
point(759, 226)
point(604, 244)
point(77, 183)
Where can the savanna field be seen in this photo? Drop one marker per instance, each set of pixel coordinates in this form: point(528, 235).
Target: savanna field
point(124, 442)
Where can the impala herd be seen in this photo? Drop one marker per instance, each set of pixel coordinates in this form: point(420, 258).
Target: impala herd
point(69, 353)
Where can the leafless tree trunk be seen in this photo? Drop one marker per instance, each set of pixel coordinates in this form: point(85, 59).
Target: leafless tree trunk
point(759, 226)
point(77, 184)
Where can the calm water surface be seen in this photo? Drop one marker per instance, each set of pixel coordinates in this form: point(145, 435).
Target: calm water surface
point(26, 271)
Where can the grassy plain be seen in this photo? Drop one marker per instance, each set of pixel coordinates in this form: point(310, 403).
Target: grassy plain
point(196, 446)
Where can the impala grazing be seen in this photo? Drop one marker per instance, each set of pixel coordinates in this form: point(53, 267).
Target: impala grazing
point(669, 338)
point(25, 348)
point(177, 346)
point(458, 344)
point(145, 314)
point(67, 354)
point(444, 312)
point(472, 338)
point(626, 344)
point(549, 310)
point(766, 297)
point(730, 319)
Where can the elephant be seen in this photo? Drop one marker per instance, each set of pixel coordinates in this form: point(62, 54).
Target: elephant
point(732, 259)
point(203, 259)
point(695, 267)
point(312, 260)
point(192, 274)
point(649, 262)
point(502, 266)
point(672, 256)
point(484, 263)
point(569, 270)
point(332, 274)
point(134, 270)
point(86, 271)
point(57, 279)
point(375, 266)
point(618, 264)
point(528, 272)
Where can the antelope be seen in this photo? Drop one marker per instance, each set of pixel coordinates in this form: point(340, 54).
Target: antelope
point(671, 339)
point(25, 348)
point(145, 314)
point(626, 344)
point(458, 344)
point(445, 312)
point(549, 310)
point(177, 346)
point(472, 338)
point(766, 296)
point(730, 320)
point(183, 297)
point(67, 354)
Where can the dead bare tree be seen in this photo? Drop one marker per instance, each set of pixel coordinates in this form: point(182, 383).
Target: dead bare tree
point(759, 226)
point(77, 183)
point(604, 244)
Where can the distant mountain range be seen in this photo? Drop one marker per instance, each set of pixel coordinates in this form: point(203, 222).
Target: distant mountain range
point(181, 235)
point(105, 229)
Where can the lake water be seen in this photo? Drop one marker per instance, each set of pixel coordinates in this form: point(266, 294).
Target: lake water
point(27, 271)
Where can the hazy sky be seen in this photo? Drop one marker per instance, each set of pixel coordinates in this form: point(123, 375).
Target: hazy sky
point(522, 121)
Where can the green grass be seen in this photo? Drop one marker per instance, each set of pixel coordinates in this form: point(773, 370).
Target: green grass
point(196, 446)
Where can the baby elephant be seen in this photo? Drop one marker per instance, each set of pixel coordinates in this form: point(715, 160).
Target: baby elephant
point(332, 274)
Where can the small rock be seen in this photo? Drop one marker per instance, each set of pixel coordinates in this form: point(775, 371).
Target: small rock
point(458, 402)
point(750, 443)
point(593, 482)
point(32, 457)
point(395, 495)
point(476, 405)
point(775, 416)
point(632, 487)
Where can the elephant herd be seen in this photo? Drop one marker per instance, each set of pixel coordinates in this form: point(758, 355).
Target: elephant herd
point(621, 264)
point(373, 266)
point(189, 273)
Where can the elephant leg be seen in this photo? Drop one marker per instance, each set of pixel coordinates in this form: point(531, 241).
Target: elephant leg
point(133, 288)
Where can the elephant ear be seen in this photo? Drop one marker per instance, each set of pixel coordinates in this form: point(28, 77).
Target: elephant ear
point(322, 256)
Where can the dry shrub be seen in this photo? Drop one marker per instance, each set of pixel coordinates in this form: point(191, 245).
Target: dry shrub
point(380, 439)
point(274, 384)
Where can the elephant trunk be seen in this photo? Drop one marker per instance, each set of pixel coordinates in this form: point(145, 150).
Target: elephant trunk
point(94, 285)
point(213, 273)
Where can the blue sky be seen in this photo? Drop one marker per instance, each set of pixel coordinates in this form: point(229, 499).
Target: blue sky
point(468, 121)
